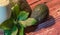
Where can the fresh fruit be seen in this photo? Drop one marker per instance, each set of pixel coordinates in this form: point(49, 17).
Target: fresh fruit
point(40, 12)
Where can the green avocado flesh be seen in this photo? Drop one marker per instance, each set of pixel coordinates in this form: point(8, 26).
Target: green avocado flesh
point(40, 12)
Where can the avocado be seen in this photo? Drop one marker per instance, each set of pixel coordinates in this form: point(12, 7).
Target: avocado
point(40, 12)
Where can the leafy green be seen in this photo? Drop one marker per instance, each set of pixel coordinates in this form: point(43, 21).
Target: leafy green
point(14, 30)
point(28, 22)
point(23, 15)
point(17, 22)
point(15, 11)
point(7, 32)
point(7, 25)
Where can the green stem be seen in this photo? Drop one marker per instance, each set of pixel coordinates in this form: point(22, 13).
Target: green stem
point(21, 30)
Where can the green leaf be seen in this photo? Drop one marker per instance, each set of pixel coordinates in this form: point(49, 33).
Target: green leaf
point(15, 11)
point(7, 25)
point(7, 32)
point(28, 22)
point(14, 30)
point(23, 15)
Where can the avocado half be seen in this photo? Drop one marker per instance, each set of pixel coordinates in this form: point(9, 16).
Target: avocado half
point(40, 12)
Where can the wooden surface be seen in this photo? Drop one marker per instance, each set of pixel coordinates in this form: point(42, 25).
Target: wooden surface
point(51, 26)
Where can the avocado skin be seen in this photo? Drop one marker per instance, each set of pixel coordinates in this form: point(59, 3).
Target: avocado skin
point(40, 12)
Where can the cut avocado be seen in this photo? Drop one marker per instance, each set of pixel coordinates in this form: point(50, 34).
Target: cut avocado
point(40, 12)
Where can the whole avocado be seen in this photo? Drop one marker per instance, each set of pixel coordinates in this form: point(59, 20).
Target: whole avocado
point(40, 12)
